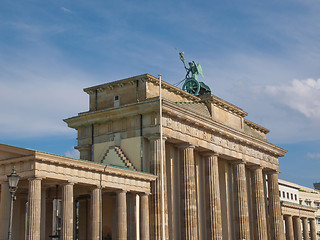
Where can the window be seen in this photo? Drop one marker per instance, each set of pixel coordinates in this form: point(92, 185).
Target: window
point(279, 193)
point(283, 194)
point(318, 220)
point(295, 197)
point(317, 204)
point(116, 101)
point(308, 203)
point(288, 195)
point(291, 196)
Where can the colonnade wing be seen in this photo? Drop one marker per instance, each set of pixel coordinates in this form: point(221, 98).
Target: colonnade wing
point(46, 177)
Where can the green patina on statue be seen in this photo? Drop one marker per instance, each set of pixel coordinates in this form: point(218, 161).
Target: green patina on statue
point(191, 84)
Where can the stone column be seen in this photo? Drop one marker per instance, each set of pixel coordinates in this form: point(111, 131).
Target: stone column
point(43, 213)
point(67, 211)
point(297, 228)
point(96, 218)
point(34, 209)
point(85, 151)
point(4, 210)
point(275, 217)
point(259, 205)
point(313, 230)
point(214, 222)
point(289, 227)
point(122, 215)
point(242, 226)
point(155, 165)
point(49, 217)
point(305, 228)
point(132, 216)
point(144, 217)
point(84, 221)
point(189, 200)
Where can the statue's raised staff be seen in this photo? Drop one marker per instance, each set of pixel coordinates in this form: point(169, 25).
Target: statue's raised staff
point(191, 84)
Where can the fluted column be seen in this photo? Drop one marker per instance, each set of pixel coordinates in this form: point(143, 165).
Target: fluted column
point(67, 211)
point(96, 207)
point(242, 226)
point(132, 216)
point(289, 227)
point(4, 210)
point(34, 209)
point(155, 165)
point(122, 215)
point(144, 217)
point(313, 230)
point(297, 228)
point(44, 221)
point(275, 216)
point(259, 206)
point(189, 201)
point(305, 228)
point(214, 222)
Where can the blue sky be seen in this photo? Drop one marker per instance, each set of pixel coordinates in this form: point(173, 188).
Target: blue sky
point(262, 56)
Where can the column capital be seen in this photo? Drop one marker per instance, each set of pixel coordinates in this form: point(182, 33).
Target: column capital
point(68, 183)
point(95, 187)
point(83, 147)
point(35, 178)
point(185, 145)
point(272, 171)
point(143, 194)
point(237, 162)
point(156, 136)
point(121, 191)
point(256, 167)
point(209, 154)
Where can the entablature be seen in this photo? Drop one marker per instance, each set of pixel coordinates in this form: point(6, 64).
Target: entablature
point(195, 121)
point(49, 166)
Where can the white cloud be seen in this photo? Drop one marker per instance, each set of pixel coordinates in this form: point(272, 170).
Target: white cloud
point(300, 95)
point(73, 154)
point(313, 155)
point(36, 96)
point(66, 10)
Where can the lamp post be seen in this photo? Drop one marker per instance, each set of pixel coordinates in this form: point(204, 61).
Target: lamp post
point(13, 180)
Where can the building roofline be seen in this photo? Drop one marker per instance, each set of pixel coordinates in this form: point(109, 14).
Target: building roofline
point(145, 78)
point(43, 156)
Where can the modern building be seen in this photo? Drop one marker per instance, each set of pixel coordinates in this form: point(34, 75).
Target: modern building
point(215, 176)
point(300, 219)
point(311, 197)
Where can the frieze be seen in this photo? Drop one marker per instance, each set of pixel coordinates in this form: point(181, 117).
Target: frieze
point(217, 139)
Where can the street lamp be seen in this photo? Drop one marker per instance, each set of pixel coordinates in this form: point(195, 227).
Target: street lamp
point(13, 180)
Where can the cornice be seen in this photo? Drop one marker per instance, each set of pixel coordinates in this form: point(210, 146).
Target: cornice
point(216, 101)
point(143, 78)
point(103, 115)
point(298, 206)
point(171, 108)
point(93, 166)
point(256, 126)
point(224, 130)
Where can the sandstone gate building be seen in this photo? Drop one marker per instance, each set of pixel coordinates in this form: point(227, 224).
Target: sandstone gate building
point(218, 169)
